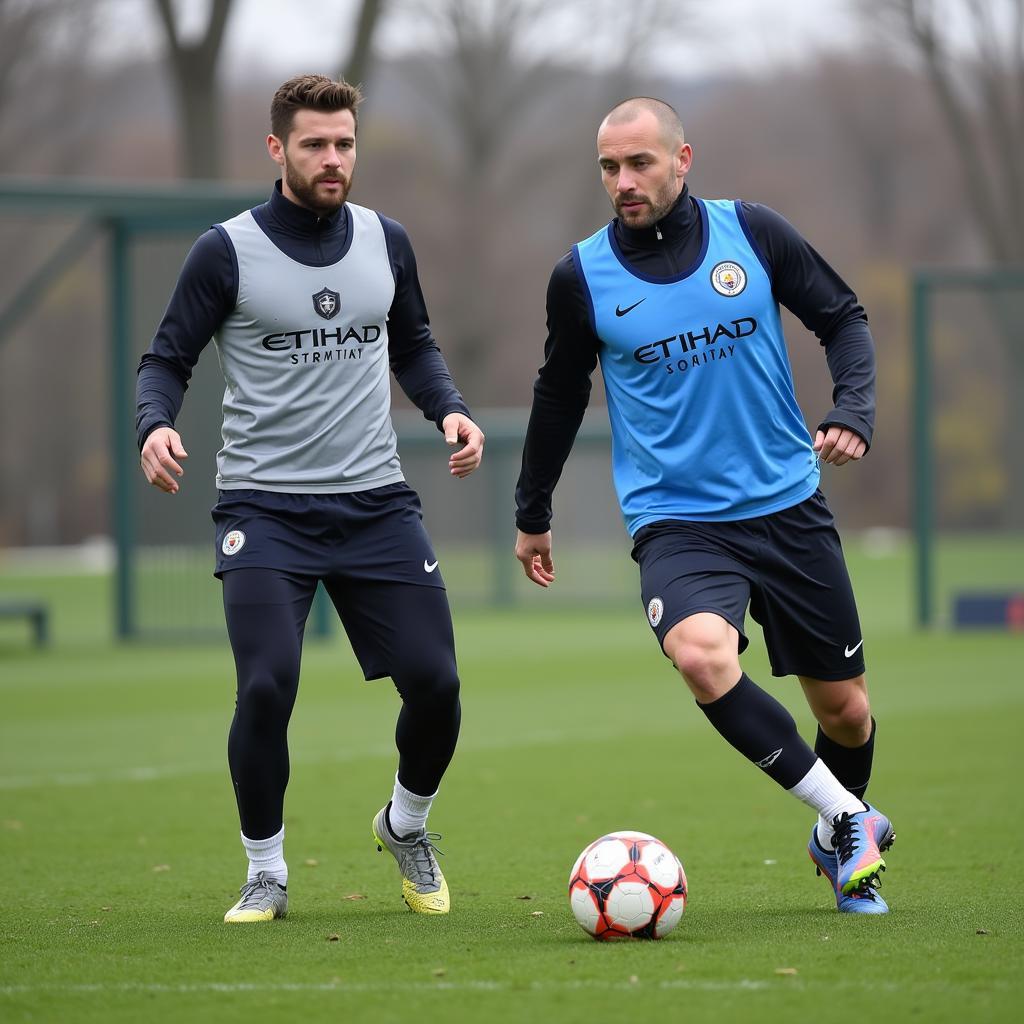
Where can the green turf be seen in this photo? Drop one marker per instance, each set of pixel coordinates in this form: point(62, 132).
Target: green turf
point(120, 853)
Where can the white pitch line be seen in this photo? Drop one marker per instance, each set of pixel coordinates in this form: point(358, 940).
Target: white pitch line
point(231, 988)
point(155, 773)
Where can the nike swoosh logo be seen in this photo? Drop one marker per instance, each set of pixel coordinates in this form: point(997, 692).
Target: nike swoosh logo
point(619, 311)
point(851, 651)
point(431, 566)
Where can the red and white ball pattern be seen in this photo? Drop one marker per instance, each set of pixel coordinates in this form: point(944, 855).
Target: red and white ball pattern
point(627, 885)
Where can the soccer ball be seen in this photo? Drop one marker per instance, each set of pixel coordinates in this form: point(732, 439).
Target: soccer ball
point(627, 885)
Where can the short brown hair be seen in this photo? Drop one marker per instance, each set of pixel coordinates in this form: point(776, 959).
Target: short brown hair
point(311, 92)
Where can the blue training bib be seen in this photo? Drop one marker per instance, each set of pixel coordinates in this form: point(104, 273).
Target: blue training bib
point(704, 418)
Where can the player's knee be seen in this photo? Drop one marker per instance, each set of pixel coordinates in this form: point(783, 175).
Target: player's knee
point(430, 686)
point(848, 719)
point(446, 688)
point(265, 695)
point(707, 668)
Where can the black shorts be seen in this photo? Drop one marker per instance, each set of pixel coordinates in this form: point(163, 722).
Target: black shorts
point(366, 535)
point(369, 548)
point(788, 566)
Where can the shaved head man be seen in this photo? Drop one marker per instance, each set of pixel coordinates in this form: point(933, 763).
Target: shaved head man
point(715, 470)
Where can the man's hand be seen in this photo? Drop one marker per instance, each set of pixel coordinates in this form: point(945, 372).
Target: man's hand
point(461, 428)
point(161, 449)
point(534, 552)
point(839, 445)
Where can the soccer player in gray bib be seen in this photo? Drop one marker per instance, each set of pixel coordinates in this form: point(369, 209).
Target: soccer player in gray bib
point(311, 301)
point(716, 473)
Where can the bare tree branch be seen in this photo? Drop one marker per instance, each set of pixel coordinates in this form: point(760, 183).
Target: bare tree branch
point(193, 68)
point(355, 66)
point(166, 13)
point(981, 107)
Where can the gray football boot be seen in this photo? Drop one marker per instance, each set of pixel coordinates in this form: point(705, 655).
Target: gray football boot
point(263, 899)
point(423, 886)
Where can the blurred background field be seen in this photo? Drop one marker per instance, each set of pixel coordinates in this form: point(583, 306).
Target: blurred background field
point(595, 577)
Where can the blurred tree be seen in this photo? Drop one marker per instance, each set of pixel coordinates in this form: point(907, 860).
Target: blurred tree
point(193, 67)
point(497, 99)
point(355, 68)
point(43, 64)
point(622, 49)
point(972, 52)
point(23, 26)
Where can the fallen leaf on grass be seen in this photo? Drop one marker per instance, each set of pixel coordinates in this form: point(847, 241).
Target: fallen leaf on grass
point(355, 896)
point(786, 970)
point(162, 867)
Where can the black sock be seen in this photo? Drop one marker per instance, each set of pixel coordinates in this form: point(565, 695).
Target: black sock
point(850, 765)
point(762, 730)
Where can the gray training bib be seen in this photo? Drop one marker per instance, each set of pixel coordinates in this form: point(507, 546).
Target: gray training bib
point(307, 396)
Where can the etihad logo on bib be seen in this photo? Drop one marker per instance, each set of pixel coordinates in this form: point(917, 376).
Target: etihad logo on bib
point(320, 337)
point(694, 348)
point(320, 345)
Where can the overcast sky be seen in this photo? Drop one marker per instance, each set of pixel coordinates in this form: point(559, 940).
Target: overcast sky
point(735, 36)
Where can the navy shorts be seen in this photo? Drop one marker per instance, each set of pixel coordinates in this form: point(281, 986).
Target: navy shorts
point(366, 535)
point(369, 548)
point(788, 566)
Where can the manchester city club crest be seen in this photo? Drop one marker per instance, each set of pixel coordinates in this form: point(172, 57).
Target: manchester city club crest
point(326, 303)
point(728, 278)
point(233, 542)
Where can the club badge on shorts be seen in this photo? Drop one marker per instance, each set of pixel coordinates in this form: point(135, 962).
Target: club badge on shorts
point(728, 278)
point(233, 542)
point(655, 610)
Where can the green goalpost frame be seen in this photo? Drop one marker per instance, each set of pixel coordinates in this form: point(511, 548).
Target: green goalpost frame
point(122, 211)
point(924, 283)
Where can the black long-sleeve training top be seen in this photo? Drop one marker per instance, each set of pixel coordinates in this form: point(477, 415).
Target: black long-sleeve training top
point(801, 281)
point(207, 291)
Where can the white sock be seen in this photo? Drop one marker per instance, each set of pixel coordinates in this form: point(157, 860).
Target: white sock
point(408, 811)
point(825, 832)
point(820, 789)
point(267, 855)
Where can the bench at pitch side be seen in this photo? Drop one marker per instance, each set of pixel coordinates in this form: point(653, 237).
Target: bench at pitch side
point(36, 612)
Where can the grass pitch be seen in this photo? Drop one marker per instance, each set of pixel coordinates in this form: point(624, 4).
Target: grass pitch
point(120, 852)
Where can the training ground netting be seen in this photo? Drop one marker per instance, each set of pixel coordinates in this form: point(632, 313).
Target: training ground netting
point(971, 504)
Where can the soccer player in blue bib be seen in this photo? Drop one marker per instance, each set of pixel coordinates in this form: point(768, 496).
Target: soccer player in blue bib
point(715, 471)
point(312, 300)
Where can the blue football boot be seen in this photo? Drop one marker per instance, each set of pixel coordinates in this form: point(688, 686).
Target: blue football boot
point(860, 901)
point(859, 840)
